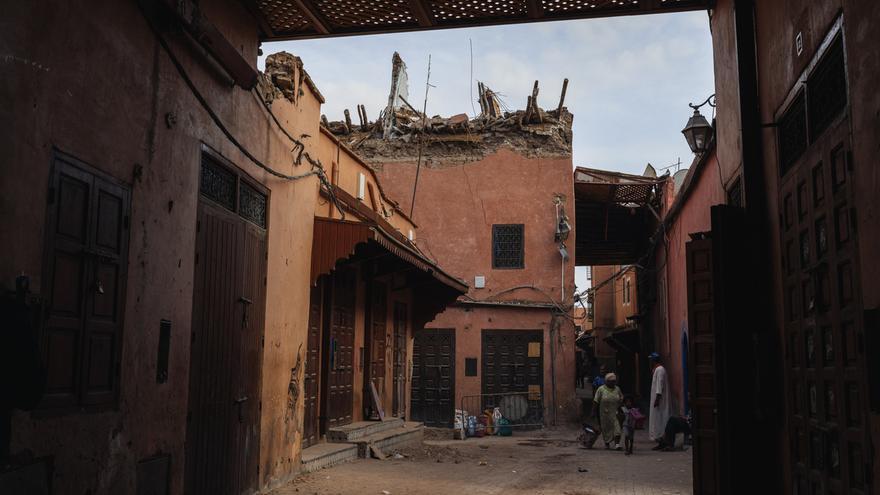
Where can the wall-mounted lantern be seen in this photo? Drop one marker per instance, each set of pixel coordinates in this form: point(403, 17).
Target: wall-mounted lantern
point(698, 131)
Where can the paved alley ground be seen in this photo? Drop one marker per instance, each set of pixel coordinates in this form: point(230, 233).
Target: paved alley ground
point(548, 462)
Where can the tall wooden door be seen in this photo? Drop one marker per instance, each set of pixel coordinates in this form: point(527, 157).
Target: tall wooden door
point(338, 372)
point(826, 386)
point(702, 377)
point(398, 398)
point(86, 252)
point(433, 378)
point(311, 381)
point(377, 345)
point(513, 361)
point(223, 419)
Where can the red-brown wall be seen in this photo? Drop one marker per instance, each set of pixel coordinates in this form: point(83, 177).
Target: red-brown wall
point(90, 79)
point(704, 191)
point(456, 206)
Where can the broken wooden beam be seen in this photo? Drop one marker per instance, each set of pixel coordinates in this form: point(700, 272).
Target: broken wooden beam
point(366, 119)
point(562, 99)
point(347, 121)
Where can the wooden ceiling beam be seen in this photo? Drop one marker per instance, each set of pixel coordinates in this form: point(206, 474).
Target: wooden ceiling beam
point(308, 9)
point(536, 11)
point(422, 12)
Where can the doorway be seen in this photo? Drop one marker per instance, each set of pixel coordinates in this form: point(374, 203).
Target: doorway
point(223, 420)
point(433, 379)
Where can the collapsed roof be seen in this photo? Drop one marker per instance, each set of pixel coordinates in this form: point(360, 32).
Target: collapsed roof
point(401, 131)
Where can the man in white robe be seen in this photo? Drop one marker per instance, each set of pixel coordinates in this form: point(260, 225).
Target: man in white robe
point(659, 414)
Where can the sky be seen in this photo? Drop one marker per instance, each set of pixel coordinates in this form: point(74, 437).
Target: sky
point(630, 78)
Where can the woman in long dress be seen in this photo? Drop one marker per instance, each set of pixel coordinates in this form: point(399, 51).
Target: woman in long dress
point(606, 402)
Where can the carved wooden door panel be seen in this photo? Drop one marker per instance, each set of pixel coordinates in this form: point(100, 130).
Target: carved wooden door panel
point(703, 373)
point(824, 331)
point(433, 380)
point(311, 382)
point(340, 348)
point(401, 317)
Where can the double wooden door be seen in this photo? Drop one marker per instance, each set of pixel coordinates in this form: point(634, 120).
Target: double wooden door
point(513, 362)
point(433, 378)
point(223, 421)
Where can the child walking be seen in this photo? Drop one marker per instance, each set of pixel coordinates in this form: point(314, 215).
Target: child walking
point(629, 424)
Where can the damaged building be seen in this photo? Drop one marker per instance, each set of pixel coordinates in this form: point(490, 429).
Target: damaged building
point(491, 195)
point(201, 280)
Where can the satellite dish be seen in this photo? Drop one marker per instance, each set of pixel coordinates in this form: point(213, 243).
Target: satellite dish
point(650, 171)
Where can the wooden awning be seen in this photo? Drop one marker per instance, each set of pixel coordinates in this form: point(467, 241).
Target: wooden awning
point(613, 215)
point(338, 240)
point(299, 19)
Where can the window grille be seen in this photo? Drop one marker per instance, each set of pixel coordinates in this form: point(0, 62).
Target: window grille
point(507, 246)
point(792, 134)
point(252, 205)
point(224, 185)
point(826, 89)
point(218, 183)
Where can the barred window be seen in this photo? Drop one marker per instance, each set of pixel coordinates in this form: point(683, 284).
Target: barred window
point(226, 186)
point(792, 134)
point(735, 193)
point(507, 246)
point(826, 89)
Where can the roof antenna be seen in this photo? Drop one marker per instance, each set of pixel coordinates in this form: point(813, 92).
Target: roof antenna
point(412, 205)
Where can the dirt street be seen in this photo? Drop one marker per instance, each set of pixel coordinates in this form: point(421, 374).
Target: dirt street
point(548, 462)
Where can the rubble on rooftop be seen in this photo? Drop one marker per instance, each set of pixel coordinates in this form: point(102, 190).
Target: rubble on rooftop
point(401, 129)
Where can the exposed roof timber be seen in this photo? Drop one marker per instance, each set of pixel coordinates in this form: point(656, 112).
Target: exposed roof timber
point(419, 15)
point(307, 8)
point(422, 12)
point(535, 9)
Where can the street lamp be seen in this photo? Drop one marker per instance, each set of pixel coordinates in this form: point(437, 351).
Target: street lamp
point(698, 130)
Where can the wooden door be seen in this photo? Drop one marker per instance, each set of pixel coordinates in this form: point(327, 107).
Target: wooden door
point(223, 419)
point(702, 376)
point(86, 262)
point(398, 400)
point(513, 361)
point(252, 303)
point(217, 316)
point(377, 322)
point(340, 349)
point(825, 361)
point(433, 378)
point(311, 381)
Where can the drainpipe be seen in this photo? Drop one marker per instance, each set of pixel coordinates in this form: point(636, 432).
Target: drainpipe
point(554, 332)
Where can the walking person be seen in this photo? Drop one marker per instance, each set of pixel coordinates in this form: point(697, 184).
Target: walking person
point(659, 401)
point(629, 424)
point(606, 402)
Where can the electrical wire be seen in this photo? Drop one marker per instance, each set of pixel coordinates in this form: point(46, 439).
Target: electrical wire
point(317, 168)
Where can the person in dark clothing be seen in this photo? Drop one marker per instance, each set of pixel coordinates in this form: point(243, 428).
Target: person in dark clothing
point(22, 376)
point(674, 426)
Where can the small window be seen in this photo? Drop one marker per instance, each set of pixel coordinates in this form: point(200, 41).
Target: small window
point(470, 366)
point(507, 246)
point(627, 296)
